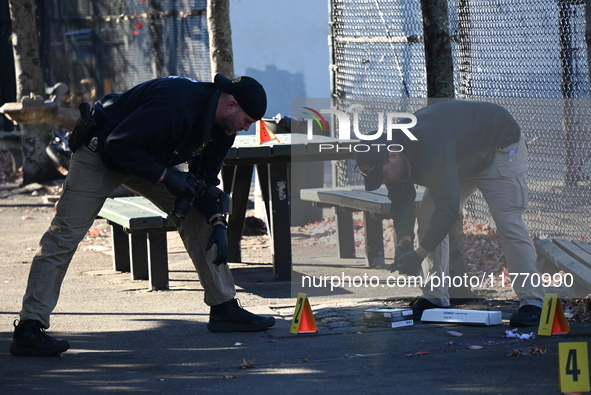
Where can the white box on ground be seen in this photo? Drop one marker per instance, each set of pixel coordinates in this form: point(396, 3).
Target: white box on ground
point(478, 317)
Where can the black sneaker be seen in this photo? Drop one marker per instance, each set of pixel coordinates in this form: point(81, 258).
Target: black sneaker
point(422, 304)
point(231, 317)
point(527, 315)
point(30, 339)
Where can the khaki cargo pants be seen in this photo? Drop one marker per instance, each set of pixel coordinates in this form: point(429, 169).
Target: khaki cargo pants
point(88, 184)
point(503, 185)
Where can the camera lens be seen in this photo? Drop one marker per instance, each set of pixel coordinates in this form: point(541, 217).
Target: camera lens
point(181, 207)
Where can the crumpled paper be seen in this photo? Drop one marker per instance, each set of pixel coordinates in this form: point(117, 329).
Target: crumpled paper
point(514, 334)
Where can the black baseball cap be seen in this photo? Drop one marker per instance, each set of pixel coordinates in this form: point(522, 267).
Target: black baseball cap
point(370, 163)
point(247, 91)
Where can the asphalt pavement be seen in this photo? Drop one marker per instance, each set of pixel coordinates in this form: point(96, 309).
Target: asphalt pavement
point(125, 338)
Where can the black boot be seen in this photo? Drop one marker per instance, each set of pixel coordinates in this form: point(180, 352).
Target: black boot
point(231, 317)
point(30, 339)
point(527, 315)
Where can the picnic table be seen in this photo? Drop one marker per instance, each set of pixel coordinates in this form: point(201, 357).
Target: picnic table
point(273, 163)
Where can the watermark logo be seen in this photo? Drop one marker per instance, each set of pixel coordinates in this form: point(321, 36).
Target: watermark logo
point(392, 123)
point(316, 116)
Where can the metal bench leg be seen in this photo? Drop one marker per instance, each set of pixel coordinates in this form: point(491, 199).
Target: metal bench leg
point(345, 233)
point(374, 240)
point(263, 174)
point(158, 260)
point(138, 252)
point(240, 190)
point(279, 220)
point(121, 254)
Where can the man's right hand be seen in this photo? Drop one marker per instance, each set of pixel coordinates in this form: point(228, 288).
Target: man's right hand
point(179, 183)
point(408, 264)
point(402, 248)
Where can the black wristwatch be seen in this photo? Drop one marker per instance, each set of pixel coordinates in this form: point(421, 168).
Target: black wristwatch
point(219, 218)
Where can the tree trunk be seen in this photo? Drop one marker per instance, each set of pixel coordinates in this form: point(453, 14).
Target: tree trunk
point(29, 80)
point(440, 85)
point(220, 37)
point(438, 59)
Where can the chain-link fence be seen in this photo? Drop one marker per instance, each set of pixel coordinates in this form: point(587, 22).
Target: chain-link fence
point(103, 46)
point(529, 56)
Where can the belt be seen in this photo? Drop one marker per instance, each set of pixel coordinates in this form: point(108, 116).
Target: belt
point(93, 144)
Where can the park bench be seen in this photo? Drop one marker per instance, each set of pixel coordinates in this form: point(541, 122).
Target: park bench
point(138, 231)
point(569, 256)
point(375, 206)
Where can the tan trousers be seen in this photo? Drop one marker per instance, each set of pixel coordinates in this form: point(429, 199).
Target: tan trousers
point(504, 187)
point(88, 184)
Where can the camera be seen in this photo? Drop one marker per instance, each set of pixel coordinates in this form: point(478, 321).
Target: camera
point(183, 203)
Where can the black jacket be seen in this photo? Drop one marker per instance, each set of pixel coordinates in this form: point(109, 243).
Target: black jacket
point(455, 139)
point(161, 123)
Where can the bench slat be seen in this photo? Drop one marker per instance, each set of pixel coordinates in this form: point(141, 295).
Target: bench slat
point(143, 203)
point(562, 261)
point(355, 198)
point(129, 217)
point(311, 194)
point(575, 251)
point(582, 245)
point(359, 200)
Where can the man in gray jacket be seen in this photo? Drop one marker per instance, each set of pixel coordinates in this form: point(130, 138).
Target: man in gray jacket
point(461, 146)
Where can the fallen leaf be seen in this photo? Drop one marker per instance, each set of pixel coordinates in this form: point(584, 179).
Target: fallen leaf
point(474, 347)
point(516, 353)
point(538, 350)
point(454, 333)
point(247, 364)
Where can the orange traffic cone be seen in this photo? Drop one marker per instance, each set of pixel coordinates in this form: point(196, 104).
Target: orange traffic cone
point(552, 320)
point(308, 322)
point(265, 135)
point(303, 318)
point(560, 325)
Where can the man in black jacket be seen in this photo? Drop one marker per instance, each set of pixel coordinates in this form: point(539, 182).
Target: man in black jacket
point(461, 146)
point(142, 135)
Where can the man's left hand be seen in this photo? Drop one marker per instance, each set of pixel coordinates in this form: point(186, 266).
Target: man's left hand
point(219, 237)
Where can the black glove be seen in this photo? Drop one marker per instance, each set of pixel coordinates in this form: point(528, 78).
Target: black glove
point(219, 237)
point(180, 183)
point(402, 248)
point(409, 264)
